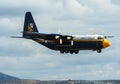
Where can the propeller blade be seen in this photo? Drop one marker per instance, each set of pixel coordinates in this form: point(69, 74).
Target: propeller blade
point(57, 37)
point(60, 41)
point(59, 30)
point(68, 38)
point(72, 43)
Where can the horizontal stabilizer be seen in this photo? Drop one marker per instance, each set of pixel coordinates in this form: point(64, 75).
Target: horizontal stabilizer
point(16, 37)
point(109, 36)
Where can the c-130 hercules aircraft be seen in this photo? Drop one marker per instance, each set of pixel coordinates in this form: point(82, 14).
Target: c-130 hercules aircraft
point(64, 43)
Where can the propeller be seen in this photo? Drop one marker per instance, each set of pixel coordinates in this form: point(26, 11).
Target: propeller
point(63, 37)
point(59, 30)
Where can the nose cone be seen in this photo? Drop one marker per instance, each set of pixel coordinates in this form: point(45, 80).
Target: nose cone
point(106, 43)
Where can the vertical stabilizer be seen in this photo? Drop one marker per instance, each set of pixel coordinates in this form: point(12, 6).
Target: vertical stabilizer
point(29, 24)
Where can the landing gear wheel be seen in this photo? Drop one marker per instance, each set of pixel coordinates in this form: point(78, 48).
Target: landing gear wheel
point(99, 51)
point(76, 52)
point(62, 52)
point(67, 51)
point(71, 52)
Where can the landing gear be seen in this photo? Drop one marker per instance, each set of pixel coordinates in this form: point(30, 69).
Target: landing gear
point(61, 51)
point(76, 52)
point(99, 51)
point(71, 52)
point(68, 51)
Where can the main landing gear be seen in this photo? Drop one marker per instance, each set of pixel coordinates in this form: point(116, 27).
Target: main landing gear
point(71, 52)
point(75, 51)
point(99, 50)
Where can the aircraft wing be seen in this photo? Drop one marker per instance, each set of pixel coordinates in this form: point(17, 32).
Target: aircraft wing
point(48, 36)
point(35, 35)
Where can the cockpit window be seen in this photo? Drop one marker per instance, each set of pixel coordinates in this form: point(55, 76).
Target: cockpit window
point(100, 37)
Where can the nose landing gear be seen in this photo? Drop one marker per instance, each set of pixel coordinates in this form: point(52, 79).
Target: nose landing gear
point(99, 50)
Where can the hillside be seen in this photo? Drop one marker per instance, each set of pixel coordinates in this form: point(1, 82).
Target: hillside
point(7, 77)
point(61, 82)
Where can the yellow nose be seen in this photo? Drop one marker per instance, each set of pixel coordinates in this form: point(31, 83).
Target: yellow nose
point(106, 43)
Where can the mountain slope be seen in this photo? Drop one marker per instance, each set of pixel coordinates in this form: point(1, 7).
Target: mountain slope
point(7, 77)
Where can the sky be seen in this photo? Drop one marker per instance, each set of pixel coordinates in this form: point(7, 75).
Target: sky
point(27, 59)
